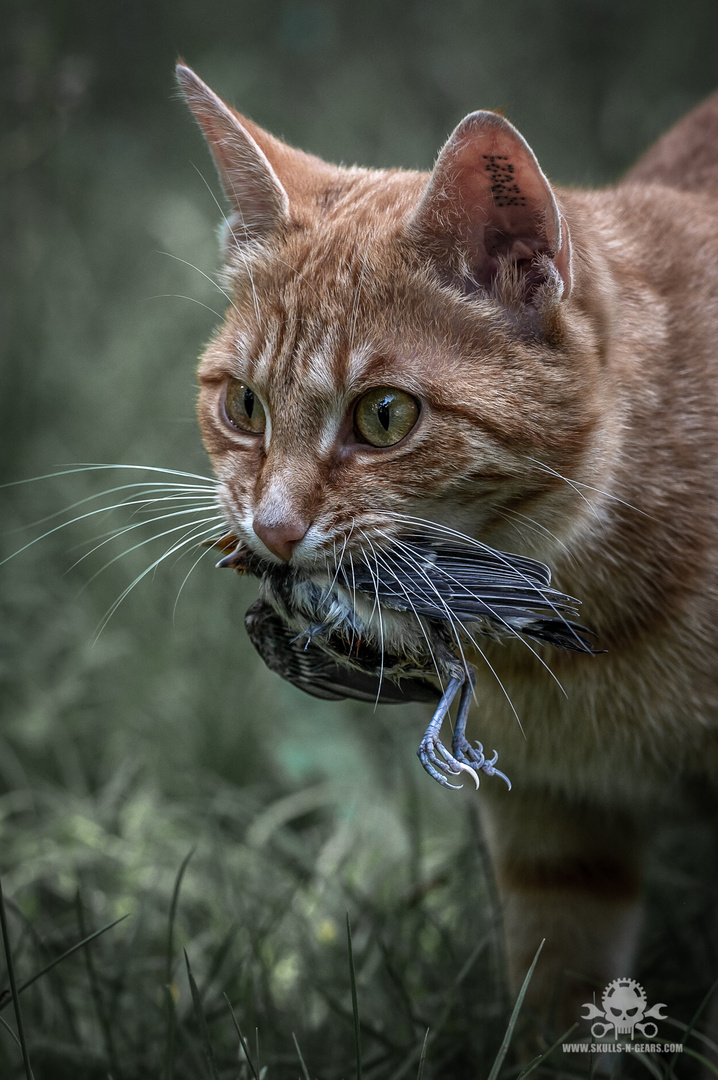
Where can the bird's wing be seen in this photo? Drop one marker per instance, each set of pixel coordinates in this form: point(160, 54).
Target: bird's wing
point(305, 664)
point(452, 582)
point(565, 633)
point(466, 584)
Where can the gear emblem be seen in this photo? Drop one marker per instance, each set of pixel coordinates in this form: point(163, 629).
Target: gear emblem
point(624, 1011)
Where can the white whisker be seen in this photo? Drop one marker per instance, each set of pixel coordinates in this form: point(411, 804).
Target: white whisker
point(378, 554)
point(181, 296)
point(576, 484)
point(502, 557)
point(239, 246)
point(99, 467)
point(512, 630)
point(354, 595)
point(116, 533)
point(536, 527)
point(186, 579)
point(150, 540)
point(178, 491)
point(376, 609)
point(337, 563)
point(458, 628)
point(153, 566)
point(219, 288)
point(408, 557)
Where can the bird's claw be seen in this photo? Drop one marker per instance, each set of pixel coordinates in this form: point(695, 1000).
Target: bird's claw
point(464, 752)
point(434, 756)
point(312, 631)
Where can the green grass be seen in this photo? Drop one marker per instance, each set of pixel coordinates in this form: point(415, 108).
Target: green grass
point(123, 754)
point(262, 929)
point(235, 962)
point(232, 956)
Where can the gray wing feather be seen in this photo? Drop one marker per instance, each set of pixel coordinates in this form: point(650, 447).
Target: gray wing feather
point(443, 581)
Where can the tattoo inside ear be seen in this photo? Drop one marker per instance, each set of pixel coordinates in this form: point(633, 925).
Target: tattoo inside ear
point(505, 191)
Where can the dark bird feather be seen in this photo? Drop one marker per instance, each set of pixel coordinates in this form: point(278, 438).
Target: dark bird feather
point(315, 672)
point(378, 630)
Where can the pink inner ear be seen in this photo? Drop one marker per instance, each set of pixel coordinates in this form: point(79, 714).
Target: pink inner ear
point(488, 193)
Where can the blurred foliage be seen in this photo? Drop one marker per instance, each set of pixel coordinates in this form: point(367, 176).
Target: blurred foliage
point(118, 755)
point(261, 912)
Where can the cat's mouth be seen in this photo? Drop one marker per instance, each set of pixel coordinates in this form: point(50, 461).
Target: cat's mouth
point(420, 587)
point(235, 555)
point(239, 557)
point(439, 579)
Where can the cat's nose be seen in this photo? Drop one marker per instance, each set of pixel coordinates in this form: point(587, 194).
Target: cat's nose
point(281, 539)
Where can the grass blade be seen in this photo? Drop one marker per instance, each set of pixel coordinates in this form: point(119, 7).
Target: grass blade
point(503, 1050)
point(6, 997)
point(10, 1032)
point(170, 990)
point(102, 1016)
point(689, 1029)
point(441, 1021)
point(685, 1029)
point(201, 1022)
point(355, 1002)
point(173, 913)
point(305, 1071)
point(546, 1054)
point(242, 1040)
point(13, 988)
point(219, 957)
point(422, 1059)
point(648, 1065)
point(708, 1065)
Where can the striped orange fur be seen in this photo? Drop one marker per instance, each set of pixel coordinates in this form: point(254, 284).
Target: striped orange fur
point(561, 345)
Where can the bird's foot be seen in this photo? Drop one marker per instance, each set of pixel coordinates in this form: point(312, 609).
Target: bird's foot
point(312, 631)
point(474, 757)
point(434, 757)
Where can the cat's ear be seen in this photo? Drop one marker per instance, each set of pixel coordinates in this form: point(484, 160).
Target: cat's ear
point(489, 200)
point(259, 200)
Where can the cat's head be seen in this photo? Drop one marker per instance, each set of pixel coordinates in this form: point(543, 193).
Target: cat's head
point(396, 346)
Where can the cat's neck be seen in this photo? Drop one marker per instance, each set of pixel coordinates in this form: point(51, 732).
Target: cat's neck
point(642, 298)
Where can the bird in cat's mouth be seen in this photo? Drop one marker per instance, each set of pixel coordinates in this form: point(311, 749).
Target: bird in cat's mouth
point(379, 628)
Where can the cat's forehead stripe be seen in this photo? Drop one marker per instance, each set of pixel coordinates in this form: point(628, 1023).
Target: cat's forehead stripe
point(300, 348)
point(358, 360)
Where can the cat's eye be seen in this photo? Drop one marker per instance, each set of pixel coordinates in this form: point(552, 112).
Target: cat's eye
point(243, 408)
point(383, 416)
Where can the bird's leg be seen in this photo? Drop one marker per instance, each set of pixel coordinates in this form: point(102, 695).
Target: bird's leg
point(312, 631)
point(461, 748)
point(432, 752)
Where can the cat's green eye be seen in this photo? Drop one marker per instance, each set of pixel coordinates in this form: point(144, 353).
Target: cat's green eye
point(383, 416)
point(243, 408)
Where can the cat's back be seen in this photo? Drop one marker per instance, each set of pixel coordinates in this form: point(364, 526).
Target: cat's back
point(657, 232)
point(686, 157)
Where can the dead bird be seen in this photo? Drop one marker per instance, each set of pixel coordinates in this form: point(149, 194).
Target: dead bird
point(379, 630)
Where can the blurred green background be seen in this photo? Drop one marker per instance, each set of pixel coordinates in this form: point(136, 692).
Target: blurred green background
point(119, 755)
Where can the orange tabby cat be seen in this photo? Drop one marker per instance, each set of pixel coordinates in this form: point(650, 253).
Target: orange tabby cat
point(558, 346)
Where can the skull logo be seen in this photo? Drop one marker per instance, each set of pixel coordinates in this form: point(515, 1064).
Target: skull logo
point(624, 1005)
point(624, 1010)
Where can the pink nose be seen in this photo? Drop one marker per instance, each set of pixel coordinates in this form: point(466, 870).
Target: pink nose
point(281, 539)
